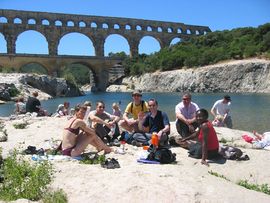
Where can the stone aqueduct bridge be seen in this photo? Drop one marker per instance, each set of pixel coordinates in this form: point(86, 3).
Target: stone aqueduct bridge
point(53, 26)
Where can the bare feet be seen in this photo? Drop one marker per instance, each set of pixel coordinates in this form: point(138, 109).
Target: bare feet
point(181, 143)
point(204, 162)
point(257, 135)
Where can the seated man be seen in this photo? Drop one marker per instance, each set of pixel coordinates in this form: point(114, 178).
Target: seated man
point(185, 116)
point(155, 121)
point(33, 105)
point(103, 122)
point(132, 109)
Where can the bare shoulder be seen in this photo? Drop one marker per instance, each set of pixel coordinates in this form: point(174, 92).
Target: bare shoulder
point(204, 126)
point(80, 122)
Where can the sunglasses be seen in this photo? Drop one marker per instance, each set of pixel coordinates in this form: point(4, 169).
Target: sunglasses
point(185, 99)
point(101, 107)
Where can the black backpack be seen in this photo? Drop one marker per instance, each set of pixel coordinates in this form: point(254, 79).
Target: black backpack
point(162, 155)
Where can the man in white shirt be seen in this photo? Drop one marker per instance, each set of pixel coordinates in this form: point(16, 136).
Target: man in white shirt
point(222, 107)
point(185, 113)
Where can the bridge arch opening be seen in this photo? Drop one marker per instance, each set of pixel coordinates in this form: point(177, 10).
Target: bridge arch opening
point(116, 43)
point(82, 24)
point(31, 21)
point(3, 19)
point(149, 28)
point(17, 21)
point(70, 23)
point(33, 68)
point(179, 30)
point(128, 27)
point(78, 73)
point(93, 25)
point(138, 27)
point(31, 42)
point(58, 23)
point(75, 43)
point(149, 45)
point(3, 44)
point(105, 26)
point(175, 41)
point(45, 22)
point(170, 30)
point(116, 26)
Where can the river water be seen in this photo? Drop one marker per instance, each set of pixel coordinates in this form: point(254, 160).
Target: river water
point(249, 111)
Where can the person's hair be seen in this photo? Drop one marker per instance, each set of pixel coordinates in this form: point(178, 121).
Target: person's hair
point(20, 99)
point(100, 102)
point(78, 107)
point(187, 94)
point(153, 100)
point(115, 105)
point(35, 94)
point(219, 117)
point(87, 103)
point(204, 113)
point(66, 103)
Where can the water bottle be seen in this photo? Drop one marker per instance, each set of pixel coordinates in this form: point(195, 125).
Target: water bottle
point(122, 145)
point(154, 139)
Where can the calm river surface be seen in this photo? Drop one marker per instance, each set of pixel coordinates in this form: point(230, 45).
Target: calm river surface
point(249, 111)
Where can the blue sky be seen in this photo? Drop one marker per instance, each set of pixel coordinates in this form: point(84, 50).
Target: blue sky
point(218, 15)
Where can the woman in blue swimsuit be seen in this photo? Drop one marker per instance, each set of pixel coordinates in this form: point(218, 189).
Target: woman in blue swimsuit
point(76, 135)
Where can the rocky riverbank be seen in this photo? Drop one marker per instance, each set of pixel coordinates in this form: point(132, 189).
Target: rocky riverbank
point(48, 87)
point(250, 75)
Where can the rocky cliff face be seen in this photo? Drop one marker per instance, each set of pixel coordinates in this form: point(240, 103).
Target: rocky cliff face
point(47, 86)
point(252, 75)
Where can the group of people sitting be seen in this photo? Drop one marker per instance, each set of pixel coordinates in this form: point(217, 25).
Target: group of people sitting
point(137, 124)
point(32, 105)
point(139, 121)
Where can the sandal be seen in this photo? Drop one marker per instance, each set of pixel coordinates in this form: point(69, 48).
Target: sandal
point(115, 163)
point(108, 164)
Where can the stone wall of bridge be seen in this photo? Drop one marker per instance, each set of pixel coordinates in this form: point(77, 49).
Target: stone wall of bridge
point(54, 26)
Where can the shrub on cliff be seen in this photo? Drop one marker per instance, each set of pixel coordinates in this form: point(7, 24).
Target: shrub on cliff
point(204, 50)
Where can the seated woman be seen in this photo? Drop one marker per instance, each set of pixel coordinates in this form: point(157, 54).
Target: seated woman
point(206, 138)
point(76, 135)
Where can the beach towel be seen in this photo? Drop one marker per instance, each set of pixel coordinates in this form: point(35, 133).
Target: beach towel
point(247, 138)
point(146, 161)
point(36, 157)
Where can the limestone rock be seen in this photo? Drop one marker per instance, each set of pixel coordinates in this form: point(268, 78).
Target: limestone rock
point(251, 75)
point(46, 86)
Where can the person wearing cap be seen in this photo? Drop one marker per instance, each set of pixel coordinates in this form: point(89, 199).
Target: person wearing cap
point(223, 107)
point(130, 117)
